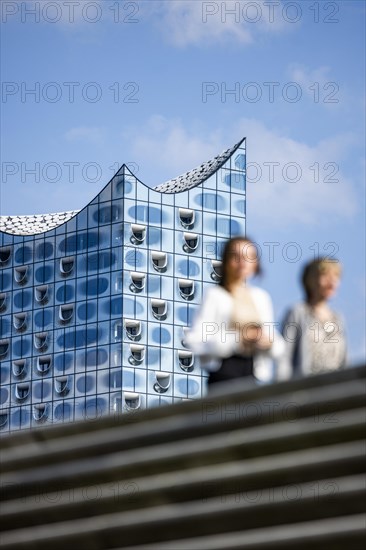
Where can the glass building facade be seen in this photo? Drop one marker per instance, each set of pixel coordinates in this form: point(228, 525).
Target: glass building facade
point(94, 304)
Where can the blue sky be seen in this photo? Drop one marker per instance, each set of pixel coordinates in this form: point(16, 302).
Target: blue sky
point(166, 85)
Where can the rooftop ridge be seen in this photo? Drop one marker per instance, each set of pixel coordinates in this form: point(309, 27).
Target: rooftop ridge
point(33, 224)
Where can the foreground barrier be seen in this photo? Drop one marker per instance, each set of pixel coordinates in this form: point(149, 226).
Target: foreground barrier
point(278, 466)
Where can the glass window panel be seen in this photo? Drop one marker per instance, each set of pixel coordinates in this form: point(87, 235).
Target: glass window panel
point(142, 192)
point(64, 412)
point(5, 280)
point(43, 273)
point(5, 326)
point(22, 299)
point(106, 194)
point(97, 357)
point(128, 378)
point(121, 186)
point(105, 236)
point(82, 219)
point(44, 250)
point(107, 213)
point(23, 254)
point(4, 372)
point(4, 395)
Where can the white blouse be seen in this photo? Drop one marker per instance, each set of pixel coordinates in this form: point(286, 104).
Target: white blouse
point(212, 337)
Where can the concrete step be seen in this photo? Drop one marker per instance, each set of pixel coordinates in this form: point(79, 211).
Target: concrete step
point(269, 467)
point(253, 474)
point(335, 534)
point(213, 449)
point(166, 522)
point(253, 407)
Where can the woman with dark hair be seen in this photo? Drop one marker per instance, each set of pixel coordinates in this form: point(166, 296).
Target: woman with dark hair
point(313, 332)
point(234, 333)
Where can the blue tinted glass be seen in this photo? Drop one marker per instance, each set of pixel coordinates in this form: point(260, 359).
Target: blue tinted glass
point(107, 214)
point(115, 306)
point(131, 307)
point(43, 319)
point(5, 280)
point(101, 260)
point(182, 314)
point(41, 390)
point(85, 384)
point(43, 274)
point(64, 411)
point(86, 311)
point(94, 358)
point(4, 373)
point(144, 213)
point(23, 298)
point(21, 346)
point(94, 287)
point(65, 293)
point(23, 255)
point(154, 235)
point(79, 242)
point(63, 362)
point(228, 227)
point(44, 250)
point(139, 213)
point(114, 379)
point(5, 326)
point(235, 181)
point(182, 385)
point(95, 408)
point(134, 258)
point(193, 268)
point(210, 201)
point(122, 185)
point(128, 378)
point(161, 335)
point(153, 284)
point(153, 356)
point(154, 215)
point(240, 161)
point(193, 387)
point(20, 417)
point(86, 337)
point(4, 394)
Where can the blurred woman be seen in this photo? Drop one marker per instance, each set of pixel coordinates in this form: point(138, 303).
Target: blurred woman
point(313, 332)
point(234, 332)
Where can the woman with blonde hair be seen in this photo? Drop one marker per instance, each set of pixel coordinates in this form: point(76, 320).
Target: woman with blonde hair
point(234, 333)
point(313, 332)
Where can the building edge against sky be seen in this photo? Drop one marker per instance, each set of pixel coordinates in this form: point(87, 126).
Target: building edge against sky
point(94, 303)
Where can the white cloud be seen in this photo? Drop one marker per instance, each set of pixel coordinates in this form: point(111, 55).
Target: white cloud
point(289, 182)
point(87, 134)
point(185, 22)
point(317, 83)
point(172, 148)
point(306, 183)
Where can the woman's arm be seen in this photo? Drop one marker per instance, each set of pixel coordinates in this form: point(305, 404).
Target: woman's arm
point(211, 333)
point(291, 331)
point(270, 340)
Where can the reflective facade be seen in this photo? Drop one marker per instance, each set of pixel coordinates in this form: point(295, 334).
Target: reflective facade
point(93, 304)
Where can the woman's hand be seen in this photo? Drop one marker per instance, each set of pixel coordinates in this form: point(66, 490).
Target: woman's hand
point(254, 338)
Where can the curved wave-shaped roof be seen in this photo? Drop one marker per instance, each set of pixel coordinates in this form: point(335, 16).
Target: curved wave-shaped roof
point(40, 223)
point(197, 175)
point(34, 224)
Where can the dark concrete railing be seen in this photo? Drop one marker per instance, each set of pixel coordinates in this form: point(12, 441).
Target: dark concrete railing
point(277, 466)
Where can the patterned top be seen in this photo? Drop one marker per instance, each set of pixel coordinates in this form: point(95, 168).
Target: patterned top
point(327, 345)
